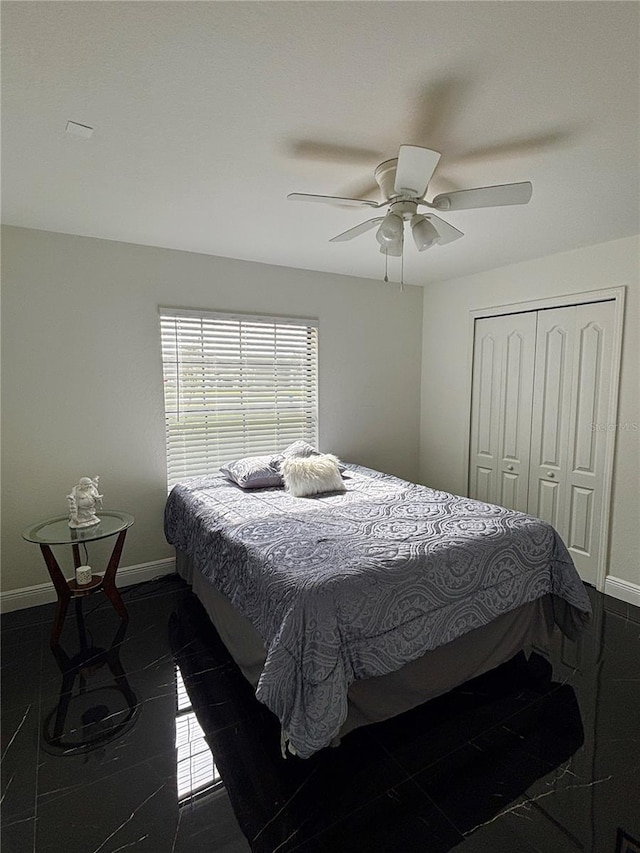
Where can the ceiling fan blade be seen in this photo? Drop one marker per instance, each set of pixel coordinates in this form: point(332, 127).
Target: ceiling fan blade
point(357, 230)
point(484, 197)
point(414, 170)
point(447, 233)
point(514, 147)
point(327, 152)
point(364, 189)
point(440, 184)
point(435, 108)
point(333, 199)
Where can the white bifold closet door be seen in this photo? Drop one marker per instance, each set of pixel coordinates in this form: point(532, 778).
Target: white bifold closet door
point(572, 392)
point(541, 393)
point(502, 394)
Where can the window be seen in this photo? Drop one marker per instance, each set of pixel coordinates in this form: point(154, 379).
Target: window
point(234, 386)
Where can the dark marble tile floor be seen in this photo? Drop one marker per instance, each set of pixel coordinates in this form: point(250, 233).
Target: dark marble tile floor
point(534, 756)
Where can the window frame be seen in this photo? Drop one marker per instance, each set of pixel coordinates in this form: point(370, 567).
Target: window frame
point(254, 359)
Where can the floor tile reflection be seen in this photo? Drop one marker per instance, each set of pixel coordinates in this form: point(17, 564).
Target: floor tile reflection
point(438, 771)
point(534, 756)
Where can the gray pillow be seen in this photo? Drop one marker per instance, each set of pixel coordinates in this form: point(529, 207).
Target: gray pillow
point(253, 472)
point(302, 450)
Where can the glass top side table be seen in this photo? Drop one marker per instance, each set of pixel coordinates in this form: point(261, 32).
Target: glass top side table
point(56, 531)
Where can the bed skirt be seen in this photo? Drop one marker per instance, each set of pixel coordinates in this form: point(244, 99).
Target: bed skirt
point(372, 700)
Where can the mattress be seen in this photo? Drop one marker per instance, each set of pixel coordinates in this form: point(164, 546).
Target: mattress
point(350, 587)
point(373, 700)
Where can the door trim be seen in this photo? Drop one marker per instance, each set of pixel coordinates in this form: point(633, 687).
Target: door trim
point(617, 294)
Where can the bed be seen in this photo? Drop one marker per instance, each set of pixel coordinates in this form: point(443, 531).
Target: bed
point(347, 608)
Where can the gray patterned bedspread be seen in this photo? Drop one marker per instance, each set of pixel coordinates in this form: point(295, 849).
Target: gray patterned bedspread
point(348, 586)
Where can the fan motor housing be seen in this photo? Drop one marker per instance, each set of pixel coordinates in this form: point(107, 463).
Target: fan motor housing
point(385, 175)
point(405, 209)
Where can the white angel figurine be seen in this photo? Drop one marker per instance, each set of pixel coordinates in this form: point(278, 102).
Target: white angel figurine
point(83, 501)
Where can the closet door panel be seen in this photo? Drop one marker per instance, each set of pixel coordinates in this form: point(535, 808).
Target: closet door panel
point(501, 409)
point(592, 362)
point(555, 378)
point(589, 391)
point(580, 520)
point(547, 502)
point(551, 414)
point(515, 424)
point(484, 487)
point(485, 409)
point(509, 489)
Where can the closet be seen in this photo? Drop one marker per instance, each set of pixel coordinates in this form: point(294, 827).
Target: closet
point(541, 433)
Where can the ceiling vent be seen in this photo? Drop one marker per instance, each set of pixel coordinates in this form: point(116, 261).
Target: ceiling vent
point(81, 130)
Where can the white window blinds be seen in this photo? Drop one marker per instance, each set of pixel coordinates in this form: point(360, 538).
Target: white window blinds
point(235, 386)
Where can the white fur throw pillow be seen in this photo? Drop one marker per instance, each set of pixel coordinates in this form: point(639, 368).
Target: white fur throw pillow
point(311, 475)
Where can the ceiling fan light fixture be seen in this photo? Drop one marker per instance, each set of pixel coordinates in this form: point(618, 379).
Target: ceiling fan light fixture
point(424, 233)
point(403, 183)
point(390, 231)
point(394, 249)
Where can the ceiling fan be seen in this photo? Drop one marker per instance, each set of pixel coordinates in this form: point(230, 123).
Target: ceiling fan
point(403, 182)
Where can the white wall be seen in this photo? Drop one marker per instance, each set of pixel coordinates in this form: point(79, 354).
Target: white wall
point(445, 361)
point(82, 380)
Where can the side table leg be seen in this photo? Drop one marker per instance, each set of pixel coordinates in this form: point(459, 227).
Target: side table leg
point(58, 622)
point(62, 589)
point(109, 580)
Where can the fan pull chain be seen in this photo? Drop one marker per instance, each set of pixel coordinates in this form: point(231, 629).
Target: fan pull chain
point(386, 264)
point(402, 271)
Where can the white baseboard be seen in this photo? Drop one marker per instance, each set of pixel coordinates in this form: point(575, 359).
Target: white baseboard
point(623, 590)
point(44, 593)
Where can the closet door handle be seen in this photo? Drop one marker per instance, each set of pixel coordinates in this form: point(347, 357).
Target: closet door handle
point(551, 475)
point(509, 467)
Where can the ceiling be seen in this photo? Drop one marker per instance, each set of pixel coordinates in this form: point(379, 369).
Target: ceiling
point(206, 114)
